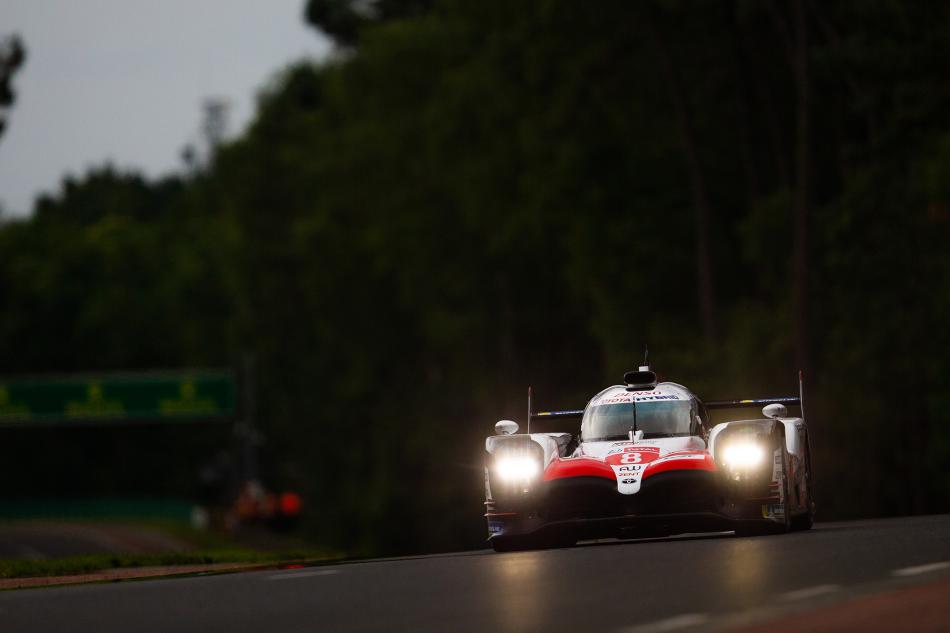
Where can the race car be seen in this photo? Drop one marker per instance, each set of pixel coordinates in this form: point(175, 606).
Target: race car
point(646, 463)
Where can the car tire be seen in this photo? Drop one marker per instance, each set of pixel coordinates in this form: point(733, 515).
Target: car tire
point(514, 543)
point(568, 539)
point(805, 520)
point(520, 543)
point(502, 544)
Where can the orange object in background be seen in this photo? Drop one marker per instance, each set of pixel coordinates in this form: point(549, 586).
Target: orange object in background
point(257, 504)
point(290, 504)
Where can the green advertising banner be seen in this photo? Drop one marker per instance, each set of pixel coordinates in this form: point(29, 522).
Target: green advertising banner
point(119, 397)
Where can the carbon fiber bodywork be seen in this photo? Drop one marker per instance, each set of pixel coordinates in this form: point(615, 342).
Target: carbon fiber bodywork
point(591, 507)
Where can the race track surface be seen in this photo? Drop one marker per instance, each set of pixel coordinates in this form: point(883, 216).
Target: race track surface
point(693, 583)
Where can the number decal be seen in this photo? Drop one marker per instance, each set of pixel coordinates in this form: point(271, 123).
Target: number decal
point(641, 455)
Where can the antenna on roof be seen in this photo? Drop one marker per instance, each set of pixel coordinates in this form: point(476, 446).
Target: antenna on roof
point(528, 426)
point(646, 357)
point(801, 391)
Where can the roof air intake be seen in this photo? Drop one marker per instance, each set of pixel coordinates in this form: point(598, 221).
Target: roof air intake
point(639, 380)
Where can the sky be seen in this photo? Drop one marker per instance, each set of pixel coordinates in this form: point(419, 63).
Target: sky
point(124, 81)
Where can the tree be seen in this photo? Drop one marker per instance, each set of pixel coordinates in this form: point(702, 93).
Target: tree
point(703, 216)
point(800, 249)
point(12, 56)
point(343, 20)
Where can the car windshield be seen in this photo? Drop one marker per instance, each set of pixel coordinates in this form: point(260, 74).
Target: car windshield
point(655, 419)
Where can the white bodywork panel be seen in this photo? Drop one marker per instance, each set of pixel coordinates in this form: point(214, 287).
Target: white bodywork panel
point(619, 394)
point(794, 432)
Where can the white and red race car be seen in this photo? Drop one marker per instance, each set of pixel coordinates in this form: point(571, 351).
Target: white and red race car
point(646, 463)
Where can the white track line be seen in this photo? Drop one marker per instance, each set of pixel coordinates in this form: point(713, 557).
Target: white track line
point(921, 569)
point(304, 574)
point(669, 624)
point(809, 592)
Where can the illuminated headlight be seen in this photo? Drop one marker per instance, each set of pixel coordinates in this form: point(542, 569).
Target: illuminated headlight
point(517, 468)
point(743, 455)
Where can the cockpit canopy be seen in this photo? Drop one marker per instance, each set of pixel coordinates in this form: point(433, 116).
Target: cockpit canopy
point(666, 411)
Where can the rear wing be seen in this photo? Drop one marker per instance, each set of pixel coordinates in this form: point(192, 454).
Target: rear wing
point(752, 402)
point(798, 400)
point(542, 415)
point(715, 404)
point(547, 415)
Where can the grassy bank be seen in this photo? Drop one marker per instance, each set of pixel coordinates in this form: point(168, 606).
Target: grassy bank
point(97, 562)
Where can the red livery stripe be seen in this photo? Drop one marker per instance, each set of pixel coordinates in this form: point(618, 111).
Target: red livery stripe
point(578, 467)
point(661, 466)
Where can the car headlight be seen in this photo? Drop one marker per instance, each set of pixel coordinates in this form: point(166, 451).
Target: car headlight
point(517, 468)
point(743, 455)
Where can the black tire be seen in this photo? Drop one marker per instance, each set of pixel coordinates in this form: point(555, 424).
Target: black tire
point(521, 543)
point(807, 519)
point(565, 540)
point(510, 544)
point(756, 528)
point(803, 522)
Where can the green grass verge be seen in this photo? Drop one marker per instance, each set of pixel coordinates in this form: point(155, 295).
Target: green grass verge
point(97, 562)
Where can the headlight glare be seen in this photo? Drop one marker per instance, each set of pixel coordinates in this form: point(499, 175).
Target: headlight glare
point(517, 468)
point(743, 455)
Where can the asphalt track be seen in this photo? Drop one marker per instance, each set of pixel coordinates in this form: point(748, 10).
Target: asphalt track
point(687, 583)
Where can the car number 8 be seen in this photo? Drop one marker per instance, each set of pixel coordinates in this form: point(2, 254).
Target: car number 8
point(631, 458)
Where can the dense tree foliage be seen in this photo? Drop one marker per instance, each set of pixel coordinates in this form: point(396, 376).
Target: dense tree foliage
point(12, 56)
point(476, 197)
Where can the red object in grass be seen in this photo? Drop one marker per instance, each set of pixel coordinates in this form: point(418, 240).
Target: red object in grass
point(290, 504)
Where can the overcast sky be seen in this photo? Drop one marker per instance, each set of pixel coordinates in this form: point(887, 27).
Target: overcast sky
point(124, 80)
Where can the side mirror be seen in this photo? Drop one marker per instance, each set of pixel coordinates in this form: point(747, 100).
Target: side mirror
point(774, 410)
point(506, 427)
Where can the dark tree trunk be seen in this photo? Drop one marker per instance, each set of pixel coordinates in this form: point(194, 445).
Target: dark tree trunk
point(701, 208)
point(777, 140)
point(800, 210)
point(745, 108)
